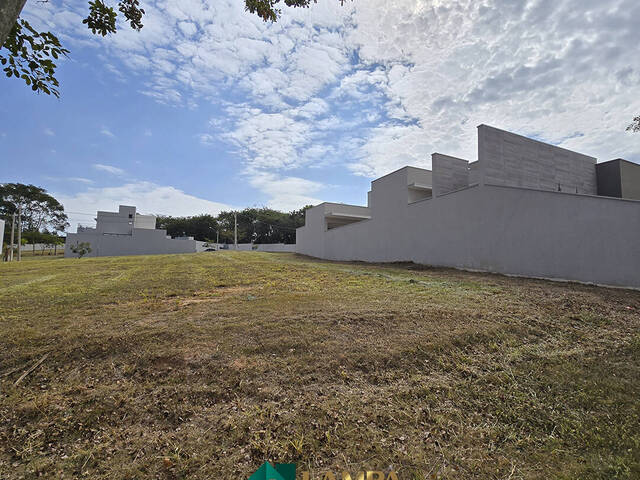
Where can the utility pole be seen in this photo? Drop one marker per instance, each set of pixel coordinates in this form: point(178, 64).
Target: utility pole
point(217, 239)
point(235, 229)
point(19, 233)
point(13, 227)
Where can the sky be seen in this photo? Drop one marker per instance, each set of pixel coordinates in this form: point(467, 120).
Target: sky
point(209, 108)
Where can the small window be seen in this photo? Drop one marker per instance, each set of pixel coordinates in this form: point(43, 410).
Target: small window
point(131, 215)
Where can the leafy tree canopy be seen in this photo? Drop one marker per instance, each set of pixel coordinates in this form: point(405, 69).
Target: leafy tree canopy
point(39, 210)
point(255, 225)
point(635, 125)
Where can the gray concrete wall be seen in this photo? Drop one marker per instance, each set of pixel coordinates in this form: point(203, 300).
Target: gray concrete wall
point(513, 160)
point(265, 247)
point(449, 173)
point(143, 241)
point(630, 178)
point(497, 229)
point(276, 247)
point(608, 176)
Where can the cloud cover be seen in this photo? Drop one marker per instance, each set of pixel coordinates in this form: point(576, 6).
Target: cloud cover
point(377, 84)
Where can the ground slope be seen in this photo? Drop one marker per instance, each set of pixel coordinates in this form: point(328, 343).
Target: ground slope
point(205, 365)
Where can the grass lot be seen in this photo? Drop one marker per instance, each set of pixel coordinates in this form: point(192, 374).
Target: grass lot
point(203, 366)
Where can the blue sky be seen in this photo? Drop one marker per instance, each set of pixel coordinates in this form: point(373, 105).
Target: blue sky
point(209, 108)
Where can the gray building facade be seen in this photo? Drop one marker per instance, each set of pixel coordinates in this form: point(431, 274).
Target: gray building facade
point(126, 232)
point(527, 208)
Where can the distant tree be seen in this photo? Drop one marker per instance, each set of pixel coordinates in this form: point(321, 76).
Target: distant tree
point(255, 225)
point(32, 237)
point(49, 241)
point(635, 125)
point(262, 225)
point(81, 249)
point(29, 54)
point(40, 211)
point(200, 227)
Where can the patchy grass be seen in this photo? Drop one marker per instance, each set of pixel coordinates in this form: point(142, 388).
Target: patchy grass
point(205, 365)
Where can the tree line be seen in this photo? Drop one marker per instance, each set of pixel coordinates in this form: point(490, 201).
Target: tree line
point(255, 225)
point(32, 214)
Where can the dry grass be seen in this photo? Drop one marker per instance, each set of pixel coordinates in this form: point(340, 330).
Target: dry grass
point(203, 366)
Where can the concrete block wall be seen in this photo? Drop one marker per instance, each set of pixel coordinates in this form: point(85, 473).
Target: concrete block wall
point(509, 159)
point(449, 173)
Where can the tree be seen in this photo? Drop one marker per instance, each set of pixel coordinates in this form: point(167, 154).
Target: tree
point(39, 210)
point(81, 249)
point(29, 54)
point(255, 225)
point(200, 227)
point(635, 125)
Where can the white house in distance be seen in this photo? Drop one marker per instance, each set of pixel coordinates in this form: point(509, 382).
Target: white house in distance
point(126, 232)
point(523, 208)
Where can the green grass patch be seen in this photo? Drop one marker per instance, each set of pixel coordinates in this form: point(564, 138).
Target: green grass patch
point(206, 365)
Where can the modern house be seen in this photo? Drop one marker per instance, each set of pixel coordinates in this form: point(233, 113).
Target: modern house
point(523, 208)
point(126, 232)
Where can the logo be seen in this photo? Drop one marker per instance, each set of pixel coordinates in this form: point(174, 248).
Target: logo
point(281, 471)
point(287, 471)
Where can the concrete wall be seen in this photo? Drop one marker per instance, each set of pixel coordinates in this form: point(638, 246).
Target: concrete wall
point(609, 182)
point(619, 178)
point(142, 241)
point(123, 221)
point(28, 247)
point(117, 223)
point(265, 247)
point(512, 160)
point(498, 229)
point(144, 221)
point(630, 178)
point(474, 173)
point(276, 247)
point(449, 173)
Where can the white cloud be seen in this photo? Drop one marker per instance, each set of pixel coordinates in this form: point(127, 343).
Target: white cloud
point(86, 181)
point(108, 168)
point(147, 197)
point(378, 84)
point(286, 193)
point(49, 132)
point(206, 139)
point(107, 133)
